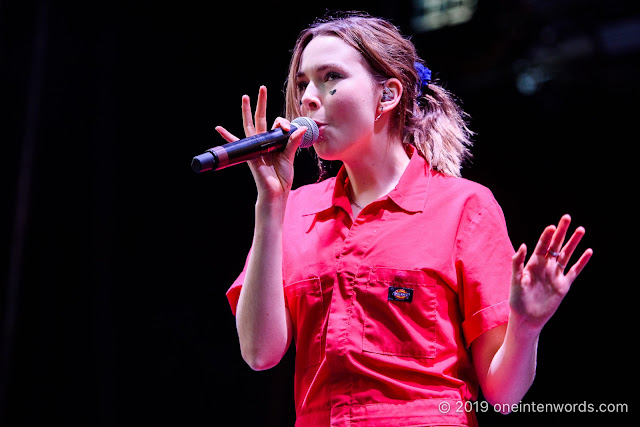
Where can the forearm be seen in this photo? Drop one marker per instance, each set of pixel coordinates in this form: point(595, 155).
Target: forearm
point(261, 316)
point(513, 368)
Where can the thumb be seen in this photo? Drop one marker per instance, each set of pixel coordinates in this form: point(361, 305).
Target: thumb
point(517, 263)
point(294, 142)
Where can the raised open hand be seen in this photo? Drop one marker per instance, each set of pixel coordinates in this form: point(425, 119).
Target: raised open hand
point(537, 288)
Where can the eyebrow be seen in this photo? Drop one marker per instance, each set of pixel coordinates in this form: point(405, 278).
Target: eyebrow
point(319, 69)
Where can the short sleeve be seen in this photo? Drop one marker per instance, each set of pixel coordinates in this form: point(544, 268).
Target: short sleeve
point(483, 262)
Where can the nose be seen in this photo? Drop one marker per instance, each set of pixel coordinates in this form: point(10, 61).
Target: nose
point(311, 99)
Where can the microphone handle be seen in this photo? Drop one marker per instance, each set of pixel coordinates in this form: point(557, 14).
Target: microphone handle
point(240, 151)
point(249, 148)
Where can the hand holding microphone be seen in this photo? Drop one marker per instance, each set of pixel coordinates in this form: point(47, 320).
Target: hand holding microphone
point(254, 146)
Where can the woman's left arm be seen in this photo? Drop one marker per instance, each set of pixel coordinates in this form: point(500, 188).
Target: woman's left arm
point(505, 357)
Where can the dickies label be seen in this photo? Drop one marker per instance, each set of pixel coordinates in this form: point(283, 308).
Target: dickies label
point(400, 294)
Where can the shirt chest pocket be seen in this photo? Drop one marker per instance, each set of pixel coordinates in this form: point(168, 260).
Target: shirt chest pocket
point(399, 313)
point(304, 301)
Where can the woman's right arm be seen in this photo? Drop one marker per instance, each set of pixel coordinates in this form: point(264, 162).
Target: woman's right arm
point(262, 319)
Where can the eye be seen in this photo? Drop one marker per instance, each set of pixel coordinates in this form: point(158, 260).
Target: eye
point(332, 75)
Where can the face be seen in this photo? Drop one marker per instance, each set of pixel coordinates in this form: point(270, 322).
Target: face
point(337, 91)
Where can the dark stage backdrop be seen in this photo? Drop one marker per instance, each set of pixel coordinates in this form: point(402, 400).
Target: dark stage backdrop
point(118, 256)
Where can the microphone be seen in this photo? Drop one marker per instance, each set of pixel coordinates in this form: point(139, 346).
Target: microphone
point(254, 146)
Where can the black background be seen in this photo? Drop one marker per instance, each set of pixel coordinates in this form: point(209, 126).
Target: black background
point(118, 256)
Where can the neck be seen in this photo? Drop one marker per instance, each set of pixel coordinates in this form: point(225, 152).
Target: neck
point(373, 176)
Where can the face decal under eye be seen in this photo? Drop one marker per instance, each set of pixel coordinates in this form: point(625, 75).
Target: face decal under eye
point(328, 77)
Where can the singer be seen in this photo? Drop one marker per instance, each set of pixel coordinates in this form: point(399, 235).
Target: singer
point(395, 279)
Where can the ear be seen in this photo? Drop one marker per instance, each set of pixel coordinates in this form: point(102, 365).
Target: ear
point(390, 95)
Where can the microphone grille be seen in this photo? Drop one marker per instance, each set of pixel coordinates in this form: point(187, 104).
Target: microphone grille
point(312, 133)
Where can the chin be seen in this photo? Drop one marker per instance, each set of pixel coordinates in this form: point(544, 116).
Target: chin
point(326, 151)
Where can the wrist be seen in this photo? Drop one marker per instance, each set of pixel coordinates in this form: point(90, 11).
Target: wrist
point(522, 329)
point(270, 210)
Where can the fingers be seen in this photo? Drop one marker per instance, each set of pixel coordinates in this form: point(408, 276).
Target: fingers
point(294, 142)
point(578, 266)
point(294, 139)
point(247, 119)
point(282, 123)
point(260, 125)
point(550, 246)
point(560, 234)
point(517, 263)
point(552, 237)
point(228, 136)
point(570, 247)
point(255, 124)
point(542, 247)
point(261, 110)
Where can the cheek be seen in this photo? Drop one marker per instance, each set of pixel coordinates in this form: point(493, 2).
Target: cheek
point(349, 108)
point(352, 122)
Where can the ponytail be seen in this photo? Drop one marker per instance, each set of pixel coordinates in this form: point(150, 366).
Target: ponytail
point(436, 127)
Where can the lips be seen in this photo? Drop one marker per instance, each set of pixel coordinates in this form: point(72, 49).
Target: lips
point(321, 126)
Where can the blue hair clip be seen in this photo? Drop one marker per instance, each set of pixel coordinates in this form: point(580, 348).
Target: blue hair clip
point(424, 75)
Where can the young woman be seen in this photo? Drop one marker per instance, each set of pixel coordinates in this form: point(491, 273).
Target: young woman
point(396, 279)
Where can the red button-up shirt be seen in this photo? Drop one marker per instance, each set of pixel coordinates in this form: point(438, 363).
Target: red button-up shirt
point(384, 306)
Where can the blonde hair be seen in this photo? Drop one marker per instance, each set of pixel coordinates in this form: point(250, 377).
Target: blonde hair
point(428, 116)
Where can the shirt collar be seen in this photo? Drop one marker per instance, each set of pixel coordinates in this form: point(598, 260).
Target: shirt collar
point(410, 194)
